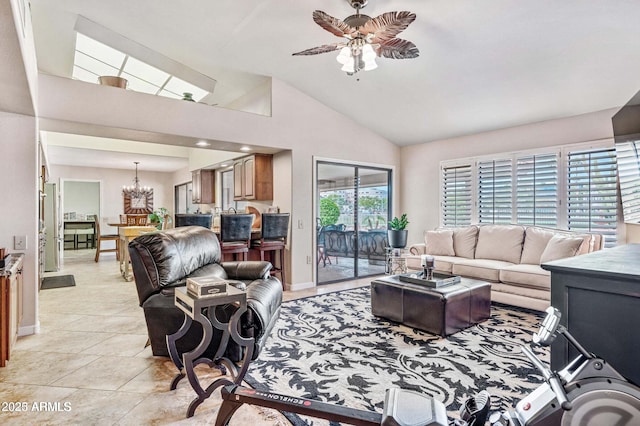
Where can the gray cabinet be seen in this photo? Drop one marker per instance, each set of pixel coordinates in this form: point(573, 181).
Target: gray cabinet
point(598, 295)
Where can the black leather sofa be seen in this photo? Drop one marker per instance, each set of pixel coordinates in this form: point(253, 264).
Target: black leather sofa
point(162, 261)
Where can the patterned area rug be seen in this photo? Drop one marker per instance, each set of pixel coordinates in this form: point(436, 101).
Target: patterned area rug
point(331, 348)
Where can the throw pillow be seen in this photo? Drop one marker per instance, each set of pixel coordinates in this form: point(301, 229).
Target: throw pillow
point(464, 241)
point(560, 247)
point(500, 242)
point(535, 241)
point(439, 243)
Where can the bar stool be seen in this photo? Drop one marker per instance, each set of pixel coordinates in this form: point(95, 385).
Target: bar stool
point(235, 234)
point(273, 238)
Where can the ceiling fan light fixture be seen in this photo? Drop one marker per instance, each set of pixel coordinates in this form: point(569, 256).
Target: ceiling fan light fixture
point(344, 55)
point(349, 66)
point(367, 38)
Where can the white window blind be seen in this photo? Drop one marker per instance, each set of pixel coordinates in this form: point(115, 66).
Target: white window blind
point(456, 196)
point(495, 191)
point(628, 156)
point(591, 193)
point(537, 190)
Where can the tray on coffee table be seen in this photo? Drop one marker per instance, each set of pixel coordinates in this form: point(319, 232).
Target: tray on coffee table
point(439, 279)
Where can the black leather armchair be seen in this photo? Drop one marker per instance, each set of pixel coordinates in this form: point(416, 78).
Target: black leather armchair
point(162, 261)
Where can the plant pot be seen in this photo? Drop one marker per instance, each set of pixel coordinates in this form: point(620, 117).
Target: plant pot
point(397, 238)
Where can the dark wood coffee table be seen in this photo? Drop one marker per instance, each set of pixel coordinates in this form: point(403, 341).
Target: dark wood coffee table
point(442, 311)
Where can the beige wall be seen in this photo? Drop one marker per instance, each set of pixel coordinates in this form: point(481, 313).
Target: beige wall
point(420, 176)
point(298, 123)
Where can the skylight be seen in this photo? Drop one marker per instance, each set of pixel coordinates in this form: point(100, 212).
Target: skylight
point(94, 59)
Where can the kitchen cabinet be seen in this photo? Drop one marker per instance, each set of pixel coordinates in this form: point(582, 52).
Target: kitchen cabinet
point(203, 186)
point(253, 178)
point(10, 305)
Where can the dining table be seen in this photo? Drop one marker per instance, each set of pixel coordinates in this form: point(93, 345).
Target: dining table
point(128, 233)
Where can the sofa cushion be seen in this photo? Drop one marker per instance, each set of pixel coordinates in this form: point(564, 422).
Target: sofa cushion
point(500, 242)
point(482, 269)
point(439, 242)
point(464, 241)
point(560, 247)
point(535, 241)
point(526, 275)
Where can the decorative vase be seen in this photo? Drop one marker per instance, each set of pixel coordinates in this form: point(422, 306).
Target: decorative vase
point(111, 80)
point(397, 238)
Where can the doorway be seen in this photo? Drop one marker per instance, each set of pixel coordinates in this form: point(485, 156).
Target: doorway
point(352, 211)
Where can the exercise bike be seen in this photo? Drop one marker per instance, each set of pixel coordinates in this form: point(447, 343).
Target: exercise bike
point(587, 392)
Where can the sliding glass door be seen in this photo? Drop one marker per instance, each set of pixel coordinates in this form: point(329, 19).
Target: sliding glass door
point(351, 221)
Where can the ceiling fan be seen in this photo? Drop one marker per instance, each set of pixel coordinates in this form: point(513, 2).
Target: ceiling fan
point(366, 38)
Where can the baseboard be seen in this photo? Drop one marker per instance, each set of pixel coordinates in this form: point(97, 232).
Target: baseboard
point(29, 330)
point(300, 286)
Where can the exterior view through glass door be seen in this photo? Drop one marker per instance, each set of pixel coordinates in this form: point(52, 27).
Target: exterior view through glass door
point(352, 211)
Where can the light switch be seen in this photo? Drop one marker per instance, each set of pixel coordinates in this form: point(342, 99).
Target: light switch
point(300, 224)
point(19, 242)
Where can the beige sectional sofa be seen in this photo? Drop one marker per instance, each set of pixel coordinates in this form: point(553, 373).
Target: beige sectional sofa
point(508, 256)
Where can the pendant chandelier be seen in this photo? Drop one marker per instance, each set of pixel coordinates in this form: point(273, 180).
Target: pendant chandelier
point(136, 190)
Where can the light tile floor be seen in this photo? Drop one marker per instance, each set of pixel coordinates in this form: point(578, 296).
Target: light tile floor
point(88, 365)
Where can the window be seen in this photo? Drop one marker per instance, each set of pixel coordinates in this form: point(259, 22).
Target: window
point(227, 189)
point(591, 193)
point(184, 198)
point(495, 191)
point(537, 190)
point(456, 196)
point(628, 156)
point(94, 59)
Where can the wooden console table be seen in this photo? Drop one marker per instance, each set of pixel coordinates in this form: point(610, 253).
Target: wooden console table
point(598, 295)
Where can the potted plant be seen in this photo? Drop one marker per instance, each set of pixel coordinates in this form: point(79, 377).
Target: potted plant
point(158, 217)
point(397, 233)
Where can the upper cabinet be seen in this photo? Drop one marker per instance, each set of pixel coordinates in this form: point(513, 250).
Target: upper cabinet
point(203, 186)
point(253, 178)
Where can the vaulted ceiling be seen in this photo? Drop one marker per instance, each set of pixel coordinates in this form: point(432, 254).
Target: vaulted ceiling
point(483, 64)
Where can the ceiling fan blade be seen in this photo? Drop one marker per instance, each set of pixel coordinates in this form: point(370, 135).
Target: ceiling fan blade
point(397, 49)
point(321, 49)
point(333, 25)
point(387, 25)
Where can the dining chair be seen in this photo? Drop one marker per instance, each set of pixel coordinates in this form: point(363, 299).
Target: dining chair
point(235, 234)
point(273, 239)
point(137, 219)
point(100, 238)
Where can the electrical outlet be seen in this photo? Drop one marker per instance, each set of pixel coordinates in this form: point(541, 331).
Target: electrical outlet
point(308, 260)
point(19, 242)
point(300, 225)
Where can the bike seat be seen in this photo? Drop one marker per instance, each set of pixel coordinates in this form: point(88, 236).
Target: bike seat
point(409, 408)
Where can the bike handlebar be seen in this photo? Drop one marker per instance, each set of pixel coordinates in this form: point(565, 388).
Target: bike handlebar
point(551, 378)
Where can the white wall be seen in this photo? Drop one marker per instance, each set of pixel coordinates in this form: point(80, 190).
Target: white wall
point(420, 177)
point(111, 182)
point(20, 202)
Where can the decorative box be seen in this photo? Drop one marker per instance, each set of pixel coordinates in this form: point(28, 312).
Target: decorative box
point(439, 280)
point(207, 286)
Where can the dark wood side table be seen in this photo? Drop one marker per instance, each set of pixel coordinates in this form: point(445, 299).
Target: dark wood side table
point(598, 295)
point(193, 307)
